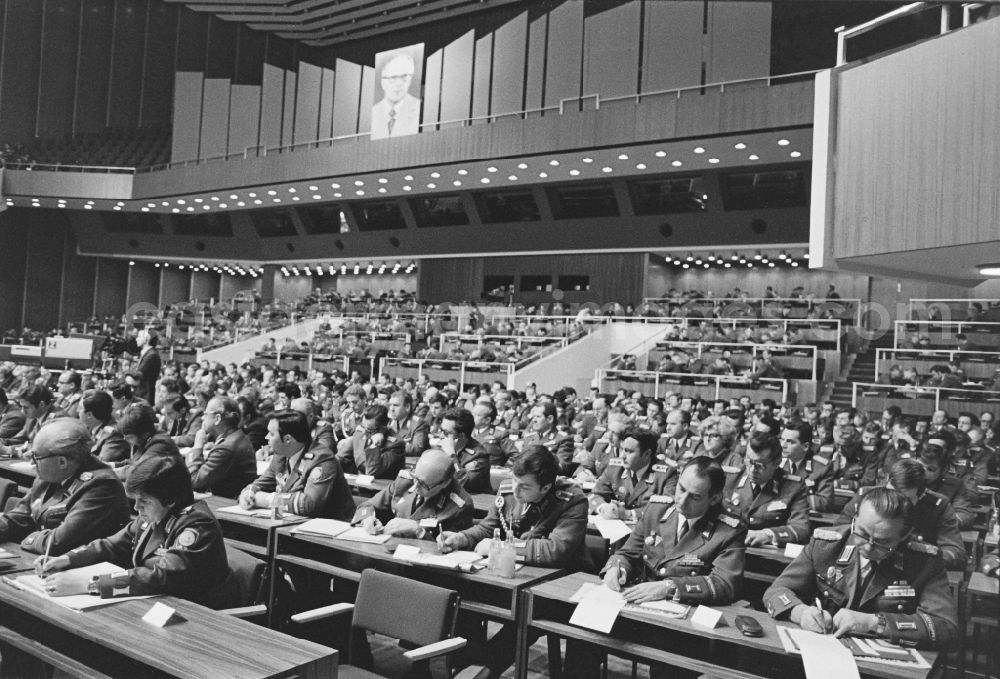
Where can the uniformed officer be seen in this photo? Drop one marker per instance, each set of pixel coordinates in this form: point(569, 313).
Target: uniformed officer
point(350, 417)
point(373, 449)
point(934, 520)
point(690, 550)
point(543, 431)
point(302, 478)
point(545, 515)
point(471, 458)
point(775, 508)
point(799, 464)
point(935, 461)
point(320, 431)
point(421, 502)
point(109, 445)
point(717, 443)
point(607, 446)
point(494, 438)
point(222, 459)
point(631, 481)
point(678, 441)
point(174, 546)
point(869, 579)
point(75, 498)
point(412, 431)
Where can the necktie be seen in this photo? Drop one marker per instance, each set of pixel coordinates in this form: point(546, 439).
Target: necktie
point(787, 465)
point(683, 530)
point(392, 119)
point(755, 489)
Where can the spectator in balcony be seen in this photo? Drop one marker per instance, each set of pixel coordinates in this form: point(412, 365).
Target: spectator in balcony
point(894, 376)
point(942, 377)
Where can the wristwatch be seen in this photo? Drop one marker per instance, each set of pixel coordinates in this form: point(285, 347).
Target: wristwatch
point(93, 587)
point(881, 626)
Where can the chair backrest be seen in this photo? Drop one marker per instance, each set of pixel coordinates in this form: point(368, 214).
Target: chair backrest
point(404, 609)
point(248, 572)
point(8, 489)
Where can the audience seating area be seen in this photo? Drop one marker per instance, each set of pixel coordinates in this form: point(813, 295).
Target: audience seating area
point(119, 148)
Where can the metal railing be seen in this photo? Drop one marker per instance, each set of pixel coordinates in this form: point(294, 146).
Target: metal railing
point(850, 309)
point(753, 349)
point(67, 167)
point(921, 308)
point(843, 33)
point(947, 331)
point(723, 386)
point(933, 356)
point(918, 401)
point(442, 370)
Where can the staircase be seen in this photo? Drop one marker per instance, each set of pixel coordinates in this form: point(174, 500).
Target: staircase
point(861, 370)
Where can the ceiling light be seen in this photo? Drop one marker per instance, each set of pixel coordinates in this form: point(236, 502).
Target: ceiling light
point(334, 186)
point(436, 175)
point(522, 166)
point(795, 263)
point(291, 189)
point(677, 163)
point(252, 195)
point(699, 149)
point(739, 146)
point(432, 186)
point(180, 201)
point(606, 169)
point(485, 180)
point(381, 189)
point(758, 255)
point(989, 269)
point(588, 160)
point(783, 142)
point(491, 169)
point(728, 265)
point(640, 166)
point(408, 177)
point(463, 172)
point(554, 163)
point(661, 154)
point(512, 178)
point(690, 257)
point(711, 257)
point(175, 210)
point(543, 175)
point(407, 188)
point(685, 266)
point(358, 182)
point(383, 180)
point(311, 188)
point(359, 192)
point(713, 161)
point(574, 173)
point(623, 156)
point(753, 156)
point(316, 196)
point(795, 154)
point(457, 182)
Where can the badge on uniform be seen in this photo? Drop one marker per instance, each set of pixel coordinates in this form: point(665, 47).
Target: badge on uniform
point(783, 598)
point(316, 474)
point(86, 476)
point(621, 490)
point(281, 478)
point(187, 537)
point(776, 506)
point(653, 540)
point(845, 555)
point(834, 574)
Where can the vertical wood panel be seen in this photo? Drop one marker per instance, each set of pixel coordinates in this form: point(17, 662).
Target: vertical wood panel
point(215, 119)
point(307, 102)
point(174, 285)
point(161, 54)
point(93, 76)
point(432, 91)
point(326, 104)
point(77, 283)
point(367, 97)
point(672, 45)
point(456, 79)
point(739, 40)
point(20, 69)
point(449, 280)
point(250, 60)
point(187, 116)
point(288, 114)
point(482, 78)
point(244, 117)
point(508, 66)
point(143, 284)
point(562, 74)
point(47, 232)
point(272, 93)
point(59, 61)
point(126, 64)
point(14, 242)
point(205, 285)
point(220, 52)
point(192, 38)
point(112, 279)
point(346, 98)
point(535, 80)
point(611, 51)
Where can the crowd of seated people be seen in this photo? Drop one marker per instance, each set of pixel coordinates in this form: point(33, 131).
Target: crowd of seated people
point(942, 375)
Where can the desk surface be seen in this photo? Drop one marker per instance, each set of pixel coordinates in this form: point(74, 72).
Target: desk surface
point(215, 503)
point(983, 585)
point(21, 471)
point(205, 644)
point(562, 589)
point(22, 562)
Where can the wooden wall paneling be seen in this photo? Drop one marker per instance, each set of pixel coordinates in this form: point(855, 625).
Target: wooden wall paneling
point(57, 81)
point(346, 98)
point(175, 285)
point(327, 81)
point(143, 284)
point(456, 79)
point(93, 74)
point(77, 283)
point(367, 99)
point(565, 45)
point(482, 79)
point(432, 91)
point(672, 45)
point(790, 103)
point(507, 88)
point(159, 58)
point(288, 112)
point(747, 112)
point(126, 63)
point(215, 119)
point(450, 280)
point(534, 86)
point(14, 242)
point(272, 94)
point(307, 101)
point(187, 115)
point(244, 117)
point(230, 285)
point(205, 285)
point(611, 51)
point(738, 41)
point(112, 280)
point(21, 62)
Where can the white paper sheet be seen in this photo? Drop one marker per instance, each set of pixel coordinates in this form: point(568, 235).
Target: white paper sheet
point(598, 609)
point(612, 530)
point(326, 527)
point(823, 656)
point(79, 602)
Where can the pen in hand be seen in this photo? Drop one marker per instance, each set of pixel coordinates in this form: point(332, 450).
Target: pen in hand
point(822, 616)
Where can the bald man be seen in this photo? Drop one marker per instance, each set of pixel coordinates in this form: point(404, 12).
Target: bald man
point(76, 498)
point(421, 502)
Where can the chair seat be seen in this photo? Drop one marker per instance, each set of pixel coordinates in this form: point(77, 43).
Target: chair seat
point(352, 672)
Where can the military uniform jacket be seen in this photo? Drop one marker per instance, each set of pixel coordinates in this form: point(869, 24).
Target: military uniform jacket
point(413, 433)
point(508, 420)
point(110, 445)
point(382, 459)
point(184, 555)
point(934, 521)
point(617, 483)
point(311, 481)
point(549, 533)
point(90, 505)
point(848, 474)
point(815, 474)
point(31, 427)
point(601, 454)
point(472, 467)
point(497, 443)
point(560, 444)
point(782, 505)
point(11, 421)
point(706, 564)
point(225, 467)
point(958, 495)
point(909, 588)
point(971, 467)
point(452, 510)
point(677, 449)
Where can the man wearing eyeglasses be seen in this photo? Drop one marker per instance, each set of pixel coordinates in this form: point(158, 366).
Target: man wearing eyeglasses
point(419, 503)
point(222, 460)
point(774, 507)
point(69, 392)
point(398, 113)
point(799, 464)
point(869, 579)
point(75, 498)
point(470, 457)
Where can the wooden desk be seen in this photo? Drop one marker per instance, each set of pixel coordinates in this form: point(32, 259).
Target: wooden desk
point(21, 472)
point(646, 636)
point(482, 593)
point(23, 562)
point(205, 644)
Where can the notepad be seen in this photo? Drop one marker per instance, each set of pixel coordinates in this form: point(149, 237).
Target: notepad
point(79, 602)
point(824, 656)
point(863, 649)
point(598, 609)
point(329, 528)
point(460, 560)
point(611, 530)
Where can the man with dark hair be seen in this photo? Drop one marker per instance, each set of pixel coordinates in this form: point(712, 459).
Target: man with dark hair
point(373, 449)
point(436, 405)
point(631, 481)
point(188, 429)
point(121, 394)
point(690, 549)
point(934, 521)
point(678, 442)
point(36, 402)
point(108, 443)
point(320, 431)
point(870, 578)
point(222, 459)
point(421, 502)
point(149, 364)
point(69, 392)
point(543, 431)
point(471, 458)
point(774, 507)
point(302, 478)
point(799, 464)
point(495, 439)
point(934, 459)
point(75, 498)
point(411, 430)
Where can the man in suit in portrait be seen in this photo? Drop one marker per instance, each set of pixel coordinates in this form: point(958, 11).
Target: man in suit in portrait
point(398, 113)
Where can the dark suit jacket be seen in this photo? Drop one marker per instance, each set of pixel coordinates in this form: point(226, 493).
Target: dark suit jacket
point(149, 366)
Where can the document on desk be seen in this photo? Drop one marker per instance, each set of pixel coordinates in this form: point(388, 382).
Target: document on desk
point(824, 656)
point(328, 528)
point(460, 560)
point(876, 651)
point(79, 602)
point(611, 530)
point(598, 609)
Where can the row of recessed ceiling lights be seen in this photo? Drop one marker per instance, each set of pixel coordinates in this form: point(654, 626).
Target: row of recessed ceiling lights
point(758, 259)
point(231, 269)
point(344, 269)
point(271, 196)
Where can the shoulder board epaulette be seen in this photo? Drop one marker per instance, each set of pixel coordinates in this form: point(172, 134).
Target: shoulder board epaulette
point(506, 487)
point(939, 501)
point(616, 462)
point(404, 474)
point(922, 547)
point(670, 462)
point(457, 499)
point(821, 460)
point(730, 521)
point(186, 509)
point(826, 534)
point(661, 499)
point(826, 448)
point(660, 468)
point(731, 470)
point(308, 456)
point(564, 495)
